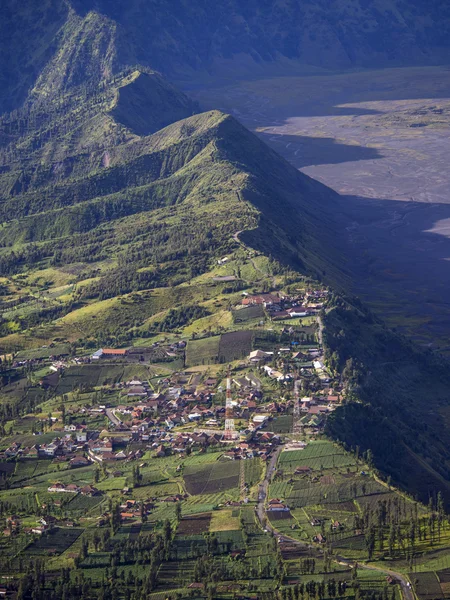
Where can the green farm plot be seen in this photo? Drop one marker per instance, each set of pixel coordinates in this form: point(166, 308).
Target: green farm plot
point(202, 352)
point(27, 440)
point(54, 542)
point(159, 490)
point(252, 471)
point(235, 345)
point(281, 424)
point(426, 585)
point(248, 313)
point(197, 504)
point(280, 489)
point(112, 483)
point(212, 478)
point(95, 375)
point(316, 493)
point(201, 459)
point(83, 504)
point(317, 456)
point(354, 542)
point(211, 499)
point(36, 353)
point(189, 545)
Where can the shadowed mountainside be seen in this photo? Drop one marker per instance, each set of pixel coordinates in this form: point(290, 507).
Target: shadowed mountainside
point(69, 41)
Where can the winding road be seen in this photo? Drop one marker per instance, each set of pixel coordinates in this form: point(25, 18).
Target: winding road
point(112, 417)
point(260, 510)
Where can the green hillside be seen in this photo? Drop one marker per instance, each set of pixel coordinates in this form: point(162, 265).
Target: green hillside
point(118, 200)
point(169, 204)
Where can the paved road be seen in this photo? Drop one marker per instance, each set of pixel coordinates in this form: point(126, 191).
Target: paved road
point(112, 417)
point(407, 592)
point(266, 525)
point(264, 487)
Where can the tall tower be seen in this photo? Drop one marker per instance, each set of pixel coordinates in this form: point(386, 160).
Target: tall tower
point(230, 433)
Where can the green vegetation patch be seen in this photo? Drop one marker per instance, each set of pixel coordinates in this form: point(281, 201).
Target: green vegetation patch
point(426, 585)
point(202, 352)
point(248, 313)
point(55, 541)
point(235, 345)
point(212, 478)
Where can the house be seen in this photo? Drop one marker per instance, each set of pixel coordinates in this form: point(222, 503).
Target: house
point(333, 399)
point(160, 451)
point(259, 355)
point(81, 436)
point(279, 507)
point(79, 461)
point(297, 312)
point(303, 469)
point(72, 488)
point(261, 299)
point(276, 505)
point(124, 516)
point(56, 487)
point(89, 490)
point(137, 390)
point(40, 529)
point(320, 539)
point(113, 353)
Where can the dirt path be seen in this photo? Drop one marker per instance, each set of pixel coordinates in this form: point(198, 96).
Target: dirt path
point(260, 508)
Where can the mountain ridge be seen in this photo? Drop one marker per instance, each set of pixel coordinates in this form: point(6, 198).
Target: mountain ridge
point(95, 39)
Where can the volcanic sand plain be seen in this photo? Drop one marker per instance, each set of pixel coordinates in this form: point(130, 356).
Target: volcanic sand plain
point(382, 140)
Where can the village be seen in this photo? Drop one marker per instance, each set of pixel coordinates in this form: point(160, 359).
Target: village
point(219, 434)
point(187, 409)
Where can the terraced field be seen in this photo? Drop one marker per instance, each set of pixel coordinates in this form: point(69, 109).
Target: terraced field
point(212, 478)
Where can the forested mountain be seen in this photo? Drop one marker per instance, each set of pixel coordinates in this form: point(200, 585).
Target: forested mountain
point(69, 40)
point(109, 174)
point(208, 167)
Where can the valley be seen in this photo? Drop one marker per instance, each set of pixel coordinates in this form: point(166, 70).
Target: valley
point(380, 139)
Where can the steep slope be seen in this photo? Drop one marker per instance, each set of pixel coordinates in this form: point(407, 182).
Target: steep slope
point(202, 164)
point(398, 395)
point(69, 41)
point(51, 139)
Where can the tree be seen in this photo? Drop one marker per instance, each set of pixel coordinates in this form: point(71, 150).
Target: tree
point(178, 510)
